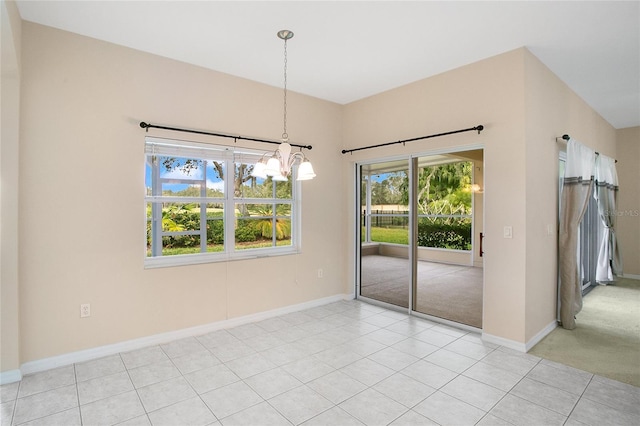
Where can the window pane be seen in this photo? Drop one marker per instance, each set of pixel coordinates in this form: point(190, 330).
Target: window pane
point(258, 227)
point(283, 189)
point(184, 177)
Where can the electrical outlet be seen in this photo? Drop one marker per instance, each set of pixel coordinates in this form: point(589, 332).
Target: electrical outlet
point(320, 273)
point(85, 310)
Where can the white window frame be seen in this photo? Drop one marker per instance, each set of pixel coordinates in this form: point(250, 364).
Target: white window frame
point(229, 155)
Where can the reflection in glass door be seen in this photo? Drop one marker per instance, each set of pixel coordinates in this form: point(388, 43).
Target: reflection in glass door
point(385, 272)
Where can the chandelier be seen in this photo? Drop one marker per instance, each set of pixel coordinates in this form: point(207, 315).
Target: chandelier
point(279, 163)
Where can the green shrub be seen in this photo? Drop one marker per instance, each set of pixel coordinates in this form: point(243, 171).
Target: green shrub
point(449, 236)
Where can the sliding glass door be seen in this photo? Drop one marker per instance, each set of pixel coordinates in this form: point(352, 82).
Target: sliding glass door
point(419, 234)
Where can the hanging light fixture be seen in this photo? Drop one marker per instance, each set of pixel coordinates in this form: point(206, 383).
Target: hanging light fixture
point(279, 163)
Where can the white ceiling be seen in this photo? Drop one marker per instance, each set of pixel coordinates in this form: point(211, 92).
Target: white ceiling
point(347, 50)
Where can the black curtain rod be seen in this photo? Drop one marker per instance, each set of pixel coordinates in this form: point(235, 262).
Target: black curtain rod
point(479, 128)
point(222, 135)
point(567, 137)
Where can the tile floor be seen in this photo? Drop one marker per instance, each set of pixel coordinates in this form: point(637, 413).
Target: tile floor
point(346, 363)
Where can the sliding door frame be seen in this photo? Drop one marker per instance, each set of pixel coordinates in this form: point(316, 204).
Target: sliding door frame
point(412, 163)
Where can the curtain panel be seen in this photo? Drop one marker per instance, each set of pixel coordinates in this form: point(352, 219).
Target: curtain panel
point(577, 188)
point(609, 262)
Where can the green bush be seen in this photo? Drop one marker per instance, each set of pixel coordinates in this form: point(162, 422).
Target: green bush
point(441, 235)
point(246, 231)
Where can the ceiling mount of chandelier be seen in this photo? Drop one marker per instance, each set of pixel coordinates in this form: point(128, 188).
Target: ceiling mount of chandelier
point(279, 164)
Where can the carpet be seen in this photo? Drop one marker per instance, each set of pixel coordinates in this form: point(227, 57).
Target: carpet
point(606, 340)
point(451, 292)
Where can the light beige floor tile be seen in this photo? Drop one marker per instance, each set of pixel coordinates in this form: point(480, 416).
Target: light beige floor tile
point(153, 373)
point(404, 390)
point(364, 346)
point(393, 358)
point(447, 410)
point(247, 331)
point(217, 338)
point(373, 408)
point(232, 351)
point(509, 362)
point(429, 374)
point(450, 360)
point(300, 404)
point(518, 411)
point(272, 383)
point(250, 365)
point(69, 417)
point(104, 387)
point(261, 414)
point(568, 381)
point(9, 391)
point(181, 347)
point(264, 342)
point(546, 396)
point(195, 361)
point(595, 414)
point(99, 367)
point(231, 399)
point(169, 392)
point(435, 338)
point(415, 347)
point(493, 376)
point(616, 397)
point(211, 378)
point(336, 386)
point(47, 380)
point(334, 416)
point(191, 412)
point(337, 357)
point(6, 412)
point(137, 421)
point(411, 418)
point(469, 349)
point(308, 369)
point(284, 354)
point(144, 356)
point(473, 392)
point(45, 403)
point(367, 371)
point(113, 410)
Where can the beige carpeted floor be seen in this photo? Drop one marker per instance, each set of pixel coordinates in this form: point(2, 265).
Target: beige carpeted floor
point(606, 340)
point(451, 292)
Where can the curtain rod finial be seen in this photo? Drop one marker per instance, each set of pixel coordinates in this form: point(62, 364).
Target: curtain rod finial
point(566, 137)
point(480, 128)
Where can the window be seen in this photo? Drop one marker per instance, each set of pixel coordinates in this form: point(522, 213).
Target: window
point(203, 205)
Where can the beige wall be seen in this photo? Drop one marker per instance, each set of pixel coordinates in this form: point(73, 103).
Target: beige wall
point(9, 134)
point(628, 219)
point(523, 107)
point(82, 187)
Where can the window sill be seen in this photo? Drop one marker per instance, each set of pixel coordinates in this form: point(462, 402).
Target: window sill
point(197, 259)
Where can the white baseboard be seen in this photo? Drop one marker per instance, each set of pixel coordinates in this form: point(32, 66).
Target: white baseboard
point(130, 345)
point(519, 346)
point(541, 335)
point(631, 276)
point(511, 344)
point(10, 376)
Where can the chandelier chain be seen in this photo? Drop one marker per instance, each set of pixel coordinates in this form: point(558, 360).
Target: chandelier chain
point(285, 136)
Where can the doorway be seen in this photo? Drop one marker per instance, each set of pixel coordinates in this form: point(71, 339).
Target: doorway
point(420, 221)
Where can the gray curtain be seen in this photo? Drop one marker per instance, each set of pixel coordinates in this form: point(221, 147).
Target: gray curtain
point(576, 190)
point(609, 262)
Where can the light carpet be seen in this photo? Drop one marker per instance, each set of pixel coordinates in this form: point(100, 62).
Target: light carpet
point(606, 340)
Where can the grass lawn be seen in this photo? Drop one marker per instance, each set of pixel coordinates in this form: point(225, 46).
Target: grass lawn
point(390, 235)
